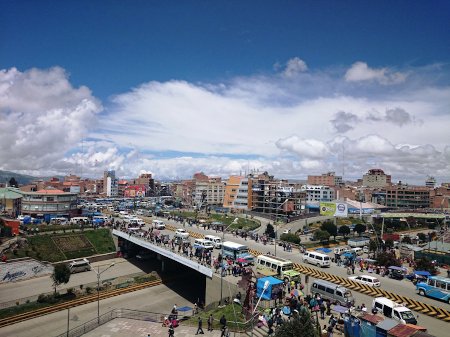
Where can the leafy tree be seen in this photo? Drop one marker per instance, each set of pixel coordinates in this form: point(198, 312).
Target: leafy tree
point(321, 235)
point(388, 243)
point(387, 259)
point(270, 232)
point(422, 237)
point(407, 239)
point(344, 230)
point(289, 237)
point(298, 326)
point(360, 228)
point(61, 274)
point(425, 264)
point(330, 227)
point(373, 245)
point(13, 182)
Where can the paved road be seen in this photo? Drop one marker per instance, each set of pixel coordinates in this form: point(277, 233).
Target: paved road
point(14, 290)
point(156, 299)
point(404, 287)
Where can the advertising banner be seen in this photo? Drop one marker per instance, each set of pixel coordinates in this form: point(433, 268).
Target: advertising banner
point(327, 208)
point(339, 209)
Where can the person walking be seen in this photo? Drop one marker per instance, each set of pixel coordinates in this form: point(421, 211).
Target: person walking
point(210, 322)
point(223, 322)
point(171, 331)
point(200, 324)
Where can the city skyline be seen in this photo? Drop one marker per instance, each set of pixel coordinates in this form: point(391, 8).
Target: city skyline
point(224, 88)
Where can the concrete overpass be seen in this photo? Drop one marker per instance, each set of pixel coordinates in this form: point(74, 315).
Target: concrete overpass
point(212, 284)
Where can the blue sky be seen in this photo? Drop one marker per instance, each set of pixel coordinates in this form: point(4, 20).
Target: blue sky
point(175, 87)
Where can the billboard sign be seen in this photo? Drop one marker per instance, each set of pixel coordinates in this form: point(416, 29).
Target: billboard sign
point(339, 209)
point(327, 208)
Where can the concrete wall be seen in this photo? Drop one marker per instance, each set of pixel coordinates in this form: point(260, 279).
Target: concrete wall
point(212, 290)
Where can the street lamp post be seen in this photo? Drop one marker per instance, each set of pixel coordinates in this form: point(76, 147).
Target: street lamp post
point(99, 273)
point(221, 267)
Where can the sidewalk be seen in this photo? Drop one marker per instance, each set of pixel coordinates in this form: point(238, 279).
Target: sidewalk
point(122, 327)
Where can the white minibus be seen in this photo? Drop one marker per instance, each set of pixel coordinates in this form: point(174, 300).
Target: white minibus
point(279, 267)
point(319, 259)
point(237, 252)
point(79, 219)
point(158, 224)
point(215, 240)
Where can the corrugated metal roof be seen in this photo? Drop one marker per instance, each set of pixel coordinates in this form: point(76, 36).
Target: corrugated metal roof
point(375, 319)
point(402, 330)
point(387, 324)
point(9, 193)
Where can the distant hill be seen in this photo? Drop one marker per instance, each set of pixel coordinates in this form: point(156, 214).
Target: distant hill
point(22, 179)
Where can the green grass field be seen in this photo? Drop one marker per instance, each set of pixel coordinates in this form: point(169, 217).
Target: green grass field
point(65, 246)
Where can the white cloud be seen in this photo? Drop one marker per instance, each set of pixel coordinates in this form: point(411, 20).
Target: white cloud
point(294, 66)
point(41, 117)
point(360, 71)
point(288, 127)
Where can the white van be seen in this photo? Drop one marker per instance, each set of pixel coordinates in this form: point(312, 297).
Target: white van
point(79, 265)
point(393, 310)
point(333, 292)
point(203, 244)
point(340, 250)
point(319, 259)
point(79, 219)
point(357, 250)
point(158, 224)
point(215, 240)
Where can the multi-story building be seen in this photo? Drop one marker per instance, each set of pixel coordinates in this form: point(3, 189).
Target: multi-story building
point(209, 192)
point(430, 182)
point(147, 180)
point(440, 197)
point(10, 201)
point(243, 195)
point(134, 191)
point(49, 203)
point(231, 190)
point(376, 178)
point(276, 198)
point(317, 193)
point(410, 197)
point(110, 184)
point(327, 179)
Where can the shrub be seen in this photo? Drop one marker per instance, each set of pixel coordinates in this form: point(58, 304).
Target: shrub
point(89, 290)
point(70, 291)
point(42, 298)
point(289, 237)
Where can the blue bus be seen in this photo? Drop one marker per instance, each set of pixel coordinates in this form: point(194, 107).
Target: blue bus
point(436, 287)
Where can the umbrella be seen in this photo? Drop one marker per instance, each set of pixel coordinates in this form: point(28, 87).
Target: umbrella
point(340, 309)
point(297, 292)
point(241, 260)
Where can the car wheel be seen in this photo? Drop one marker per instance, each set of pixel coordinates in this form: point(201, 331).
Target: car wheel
point(421, 292)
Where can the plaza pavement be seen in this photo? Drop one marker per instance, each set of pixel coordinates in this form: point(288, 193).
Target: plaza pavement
point(122, 327)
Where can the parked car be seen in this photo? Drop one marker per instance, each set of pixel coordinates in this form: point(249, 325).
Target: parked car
point(181, 233)
point(366, 279)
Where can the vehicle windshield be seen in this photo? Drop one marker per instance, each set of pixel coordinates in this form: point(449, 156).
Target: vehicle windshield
point(287, 267)
point(407, 315)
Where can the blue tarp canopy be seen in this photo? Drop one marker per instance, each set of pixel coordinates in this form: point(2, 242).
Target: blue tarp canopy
point(267, 294)
point(348, 255)
point(323, 249)
point(185, 308)
point(422, 273)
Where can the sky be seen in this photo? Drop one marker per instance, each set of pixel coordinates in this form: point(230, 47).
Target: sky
point(225, 87)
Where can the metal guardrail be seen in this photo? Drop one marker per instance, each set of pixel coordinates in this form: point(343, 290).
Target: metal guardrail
point(110, 315)
point(92, 285)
